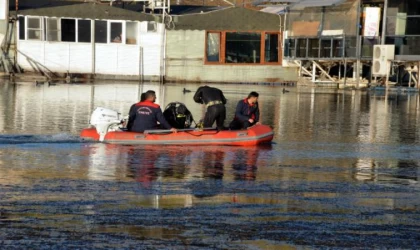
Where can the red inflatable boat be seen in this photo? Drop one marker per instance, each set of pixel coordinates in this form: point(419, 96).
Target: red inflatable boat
point(106, 129)
point(255, 135)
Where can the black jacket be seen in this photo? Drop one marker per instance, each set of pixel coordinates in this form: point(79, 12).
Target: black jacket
point(145, 115)
point(206, 94)
point(245, 111)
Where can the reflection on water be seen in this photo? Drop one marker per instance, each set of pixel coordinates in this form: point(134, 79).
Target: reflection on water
point(342, 171)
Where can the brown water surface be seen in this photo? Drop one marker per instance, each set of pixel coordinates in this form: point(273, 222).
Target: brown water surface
point(342, 171)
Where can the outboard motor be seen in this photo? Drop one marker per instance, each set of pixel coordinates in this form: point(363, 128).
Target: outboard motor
point(105, 120)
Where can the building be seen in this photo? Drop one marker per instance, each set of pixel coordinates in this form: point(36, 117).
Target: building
point(90, 39)
point(232, 45)
point(332, 40)
point(235, 45)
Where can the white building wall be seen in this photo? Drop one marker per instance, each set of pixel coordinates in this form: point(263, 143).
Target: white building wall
point(110, 59)
point(80, 58)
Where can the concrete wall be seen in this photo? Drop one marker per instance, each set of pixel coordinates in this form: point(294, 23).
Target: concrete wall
point(185, 51)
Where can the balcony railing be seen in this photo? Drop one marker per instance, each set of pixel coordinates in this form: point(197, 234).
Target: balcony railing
point(329, 48)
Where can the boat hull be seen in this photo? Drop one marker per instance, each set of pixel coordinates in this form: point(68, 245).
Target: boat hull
point(258, 134)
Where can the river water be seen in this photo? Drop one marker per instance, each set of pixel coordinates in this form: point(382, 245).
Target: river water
point(342, 172)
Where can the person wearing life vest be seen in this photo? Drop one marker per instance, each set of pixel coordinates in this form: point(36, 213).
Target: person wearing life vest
point(145, 114)
point(247, 112)
point(215, 102)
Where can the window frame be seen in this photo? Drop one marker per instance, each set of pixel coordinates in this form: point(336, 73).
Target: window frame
point(77, 29)
point(110, 39)
point(279, 47)
point(137, 33)
point(22, 25)
point(40, 29)
point(96, 30)
point(222, 49)
point(58, 30)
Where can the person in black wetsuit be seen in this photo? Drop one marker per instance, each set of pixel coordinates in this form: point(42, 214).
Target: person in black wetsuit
point(247, 112)
point(145, 114)
point(215, 102)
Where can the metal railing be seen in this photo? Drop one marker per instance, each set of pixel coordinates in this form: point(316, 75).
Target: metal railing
point(329, 48)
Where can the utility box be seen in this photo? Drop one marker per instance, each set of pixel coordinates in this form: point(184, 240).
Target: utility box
point(382, 55)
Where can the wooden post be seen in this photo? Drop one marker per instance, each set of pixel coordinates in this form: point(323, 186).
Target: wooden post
point(313, 71)
point(345, 72)
point(418, 75)
point(339, 71)
point(92, 40)
point(358, 43)
point(388, 68)
point(300, 68)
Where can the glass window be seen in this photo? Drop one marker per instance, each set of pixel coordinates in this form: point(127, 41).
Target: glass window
point(243, 47)
point(84, 31)
point(271, 48)
point(100, 31)
point(413, 26)
point(301, 47)
point(68, 30)
point(290, 48)
point(325, 48)
point(53, 29)
point(405, 45)
point(151, 27)
point(411, 7)
point(213, 47)
point(367, 45)
point(350, 47)
point(131, 32)
point(313, 47)
point(22, 35)
point(337, 48)
point(397, 25)
point(34, 28)
point(116, 33)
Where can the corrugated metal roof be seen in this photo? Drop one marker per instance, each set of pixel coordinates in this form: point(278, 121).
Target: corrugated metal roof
point(90, 11)
point(298, 4)
point(233, 18)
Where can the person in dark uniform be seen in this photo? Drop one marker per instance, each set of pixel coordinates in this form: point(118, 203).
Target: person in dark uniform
point(247, 112)
point(145, 114)
point(215, 102)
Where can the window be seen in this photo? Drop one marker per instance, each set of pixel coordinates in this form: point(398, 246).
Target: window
point(325, 48)
point(290, 50)
point(213, 47)
point(271, 47)
point(411, 7)
point(131, 32)
point(22, 35)
point(53, 29)
point(34, 28)
point(84, 31)
point(350, 46)
point(68, 30)
point(301, 47)
point(313, 47)
point(337, 47)
point(151, 27)
point(100, 32)
point(116, 33)
point(243, 47)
